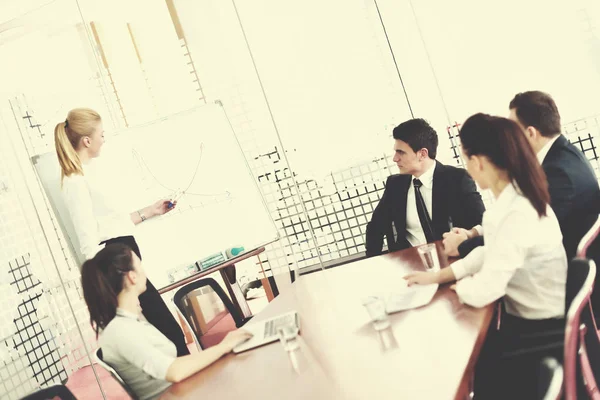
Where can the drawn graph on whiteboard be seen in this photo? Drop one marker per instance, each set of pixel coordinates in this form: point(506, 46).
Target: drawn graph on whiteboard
point(189, 196)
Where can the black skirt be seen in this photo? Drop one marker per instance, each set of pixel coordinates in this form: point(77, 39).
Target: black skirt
point(509, 364)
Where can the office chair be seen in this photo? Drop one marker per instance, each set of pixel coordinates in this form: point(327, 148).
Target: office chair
point(114, 373)
point(219, 326)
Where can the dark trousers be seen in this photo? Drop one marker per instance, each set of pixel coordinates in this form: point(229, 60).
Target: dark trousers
point(508, 366)
point(154, 308)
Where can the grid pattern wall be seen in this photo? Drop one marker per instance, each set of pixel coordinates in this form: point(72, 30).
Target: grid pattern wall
point(32, 338)
point(66, 312)
point(269, 167)
point(340, 207)
point(453, 133)
point(584, 134)
point(41, 342)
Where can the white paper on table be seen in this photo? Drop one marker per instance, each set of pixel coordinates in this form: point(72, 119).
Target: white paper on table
point(410, 297)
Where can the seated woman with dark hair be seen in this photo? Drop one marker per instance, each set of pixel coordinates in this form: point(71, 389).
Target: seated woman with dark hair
point(146, 360)
point(523, 260)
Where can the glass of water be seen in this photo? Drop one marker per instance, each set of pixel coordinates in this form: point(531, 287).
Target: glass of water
point(428, 253)
point(288, 336)
point(376, 308)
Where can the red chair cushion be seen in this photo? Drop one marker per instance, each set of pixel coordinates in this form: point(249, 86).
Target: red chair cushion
point(218, 331)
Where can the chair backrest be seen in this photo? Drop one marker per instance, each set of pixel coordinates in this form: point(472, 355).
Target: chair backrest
point(550, 379)
point(52, 392)
point(589, 247)
point(580, 282)
point(181, 294)
point(185, 318)
point(588, 239)
point(589, 361)
point(114, 373)
point(190, 287)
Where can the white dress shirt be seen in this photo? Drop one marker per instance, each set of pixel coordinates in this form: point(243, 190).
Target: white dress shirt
point(139, 352)
point(97, 207)
point(523, 259)
point(414, 229)
point(541, 155)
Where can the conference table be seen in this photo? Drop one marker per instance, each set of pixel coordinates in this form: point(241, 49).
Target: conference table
point(426, 353)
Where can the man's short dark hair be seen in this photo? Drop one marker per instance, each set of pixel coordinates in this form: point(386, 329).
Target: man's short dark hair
point(418, 134)
point(539, 110)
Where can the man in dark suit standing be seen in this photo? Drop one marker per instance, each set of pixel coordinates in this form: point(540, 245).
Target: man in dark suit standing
point(427, 199)
point(574, 192)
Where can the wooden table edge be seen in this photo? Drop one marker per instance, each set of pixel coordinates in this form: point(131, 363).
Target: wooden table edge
point(465, 384)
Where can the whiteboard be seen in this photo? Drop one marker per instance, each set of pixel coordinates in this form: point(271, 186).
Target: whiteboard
point(195, 153)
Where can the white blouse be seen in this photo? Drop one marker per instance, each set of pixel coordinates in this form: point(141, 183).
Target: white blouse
point(139, 352)
point(523, 259)
point(97, 208)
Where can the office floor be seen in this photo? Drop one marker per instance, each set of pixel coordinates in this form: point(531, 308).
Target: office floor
point(83, 383)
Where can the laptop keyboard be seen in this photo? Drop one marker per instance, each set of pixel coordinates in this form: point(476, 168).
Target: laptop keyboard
point(272, 325)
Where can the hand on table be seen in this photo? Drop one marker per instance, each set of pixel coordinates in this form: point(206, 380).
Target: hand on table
point(422, 278)
point(234, 338)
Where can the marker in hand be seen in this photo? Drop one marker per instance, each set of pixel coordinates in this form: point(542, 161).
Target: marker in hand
point(173, 201)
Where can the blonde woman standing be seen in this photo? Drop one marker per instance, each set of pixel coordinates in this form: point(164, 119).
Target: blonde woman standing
point(96, 209)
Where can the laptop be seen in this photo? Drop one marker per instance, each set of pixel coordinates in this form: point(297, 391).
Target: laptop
point(266, 331)
point(410, 297)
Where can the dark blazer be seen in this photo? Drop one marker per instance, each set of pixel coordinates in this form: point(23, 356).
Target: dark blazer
point(574, 192)
point(574, 195)
point(455, 200)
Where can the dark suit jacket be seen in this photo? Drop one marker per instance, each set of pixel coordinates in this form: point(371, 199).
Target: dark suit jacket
point(574, 194)
point(454, 199)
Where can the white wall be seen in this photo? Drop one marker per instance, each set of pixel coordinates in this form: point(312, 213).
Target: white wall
point(486, 52)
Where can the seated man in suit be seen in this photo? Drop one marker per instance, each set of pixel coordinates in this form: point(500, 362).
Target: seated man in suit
point(426, 199)
point(574, 192)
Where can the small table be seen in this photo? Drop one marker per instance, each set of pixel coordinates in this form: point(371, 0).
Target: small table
point(227, 270)
point(427, 353)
